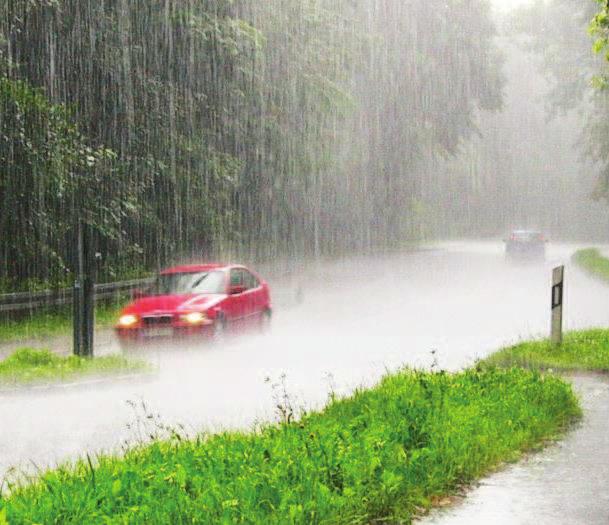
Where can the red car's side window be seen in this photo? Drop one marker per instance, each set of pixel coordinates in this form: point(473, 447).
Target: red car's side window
point(250, 280)
point(236, 277)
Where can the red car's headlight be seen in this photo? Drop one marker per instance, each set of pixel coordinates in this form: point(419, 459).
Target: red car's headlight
point(194, 318)
point(128, 320)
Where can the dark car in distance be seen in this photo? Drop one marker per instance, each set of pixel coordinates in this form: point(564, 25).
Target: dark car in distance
point(525, 244)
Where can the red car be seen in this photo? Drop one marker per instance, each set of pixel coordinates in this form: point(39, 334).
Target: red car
point(196, 300)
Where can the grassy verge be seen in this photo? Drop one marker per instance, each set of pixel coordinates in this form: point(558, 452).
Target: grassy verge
point(42, 366)
point(585, 350)
point(592, 262)
point(378, 456)
point(41, 325)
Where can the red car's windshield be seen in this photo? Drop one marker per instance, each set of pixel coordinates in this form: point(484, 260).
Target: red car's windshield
point(188, 283)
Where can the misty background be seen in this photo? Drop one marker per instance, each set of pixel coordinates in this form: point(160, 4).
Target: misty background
point(183, 129)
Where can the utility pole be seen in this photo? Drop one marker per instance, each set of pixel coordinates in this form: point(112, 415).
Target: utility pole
point(84, 293)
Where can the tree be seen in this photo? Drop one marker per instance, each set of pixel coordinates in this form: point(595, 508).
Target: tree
point(240, 126)
point(51, 178)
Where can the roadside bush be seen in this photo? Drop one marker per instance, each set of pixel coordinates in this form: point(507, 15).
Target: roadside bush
point(582, 350)
point(381, 454)
point(29, 365)
point(591, 261)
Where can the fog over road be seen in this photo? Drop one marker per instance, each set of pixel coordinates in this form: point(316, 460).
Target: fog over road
point(360, 316)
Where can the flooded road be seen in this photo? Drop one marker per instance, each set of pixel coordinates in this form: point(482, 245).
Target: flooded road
point(360, 317)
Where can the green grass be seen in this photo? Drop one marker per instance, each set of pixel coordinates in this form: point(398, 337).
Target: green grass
point(585, 350)
point(28, 365)
point(592, 262)
point(378, 456)
point(41, 325)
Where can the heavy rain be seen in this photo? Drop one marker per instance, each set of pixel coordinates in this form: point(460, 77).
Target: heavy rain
point(401, 177)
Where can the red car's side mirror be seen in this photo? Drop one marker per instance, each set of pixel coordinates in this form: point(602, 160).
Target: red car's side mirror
point(236, 290)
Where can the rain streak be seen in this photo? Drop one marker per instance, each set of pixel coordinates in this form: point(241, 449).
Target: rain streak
point(236, 212)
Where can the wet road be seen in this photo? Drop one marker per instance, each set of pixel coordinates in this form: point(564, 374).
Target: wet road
point(360, 317)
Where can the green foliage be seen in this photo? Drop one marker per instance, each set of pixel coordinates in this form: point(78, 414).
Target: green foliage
point(230, 126)
point(599, 28)
point(591, 261)
point(50, 178)
point(598, 129)
point(560, 32)
point(42, 324)
point(556, 32)
point(586, 350)
point(413, 59)
point(29, 365)
point(379, 455)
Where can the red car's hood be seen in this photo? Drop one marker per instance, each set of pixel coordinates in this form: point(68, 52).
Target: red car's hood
point(172, 303)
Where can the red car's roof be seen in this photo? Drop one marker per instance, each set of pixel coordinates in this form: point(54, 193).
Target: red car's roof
point(193, 268)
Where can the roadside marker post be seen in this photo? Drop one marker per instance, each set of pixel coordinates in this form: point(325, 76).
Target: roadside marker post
point(558, 287)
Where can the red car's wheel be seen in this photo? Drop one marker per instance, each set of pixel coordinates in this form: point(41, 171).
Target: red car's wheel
point(219, 329)
point(265, 321)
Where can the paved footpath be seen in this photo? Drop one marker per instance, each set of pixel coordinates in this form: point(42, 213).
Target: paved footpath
point(568, 483)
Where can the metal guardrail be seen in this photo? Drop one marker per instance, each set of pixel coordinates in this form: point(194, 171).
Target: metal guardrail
point(14, 302)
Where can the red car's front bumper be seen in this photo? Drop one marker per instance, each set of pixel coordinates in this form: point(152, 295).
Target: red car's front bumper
point(176, 330)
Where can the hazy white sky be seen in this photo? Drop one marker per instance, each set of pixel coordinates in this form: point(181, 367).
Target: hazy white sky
point(509, 4)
